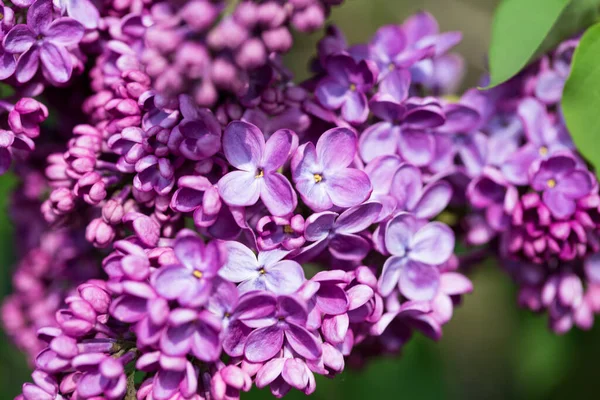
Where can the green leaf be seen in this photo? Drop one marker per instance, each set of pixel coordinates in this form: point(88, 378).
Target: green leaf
point(518, 30)
point(581, 96)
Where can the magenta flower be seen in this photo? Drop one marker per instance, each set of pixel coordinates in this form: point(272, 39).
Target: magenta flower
point(257, 163)
point(191, 281)
point(417, 249)
point(562, 182)
point(285, 324)
point(346, 85)
point(274, 232)
point(103, 375)
point(322, 174)
point(284, 373)
point(267, 272)
point(46, 40)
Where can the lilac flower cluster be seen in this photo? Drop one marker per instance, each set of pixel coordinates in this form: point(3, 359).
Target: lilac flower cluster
point(176, 251)
point(530, 189)
point(274, 178)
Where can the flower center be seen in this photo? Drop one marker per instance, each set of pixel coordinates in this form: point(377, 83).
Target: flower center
point(318, 178)
point(197, 274)
point(227, 315)
point(259, 174)
point(288, 229)
point(262, 271)
point(543, 150)
point(551, 183)
point(391, 67)
point(39, 37)
point(353, 87)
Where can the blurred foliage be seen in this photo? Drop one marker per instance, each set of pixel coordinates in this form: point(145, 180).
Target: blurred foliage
point(490, 349)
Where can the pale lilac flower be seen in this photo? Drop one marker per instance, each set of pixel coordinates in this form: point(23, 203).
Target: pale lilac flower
point(267, 272)
point(257, 163)
point(323, 175)
point(417, 249)
point(46, 40)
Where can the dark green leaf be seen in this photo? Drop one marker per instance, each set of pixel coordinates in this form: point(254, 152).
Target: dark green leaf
point(581, 96)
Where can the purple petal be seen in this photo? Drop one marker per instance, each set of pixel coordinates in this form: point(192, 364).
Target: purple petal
point(420, 25)
point(335, 328)
point(575, 184)
point(235, 338)
point(285, 277)
point(314, 194)
point(166, 384)
point(56, 61)
point(330, 93)
point(189, 251)
point(549, 86)
point(560, 205)
point(319, 225)
point(177, 340)
point(269, 372)
point(278, 195)
point(516, 168)
point(205, 344)
point(19, 39)
point(336, 148)
point(592, 268)
point(357, 218)
point(419, 281)
point(407, 186)
point(85, 12)
point(64, 31)
point(243, 145)
point(434, 200)
point(27, 65)
point(396, 84)
point(399, 233)
point(241, 263)
point(277, 149)
point(348, 187)
point(390, 275)
point(172, 281)
point(356, 108)
point(263, 344)
point(295, 373)
point(432, 244)
point(349, 247)
point(332, 300)
point(378, 140)
point(8, 65)
point(417, 147)
point(303, 342)
point(240, 188)
point(535, 120)
point(40, 15)
point(90, 385)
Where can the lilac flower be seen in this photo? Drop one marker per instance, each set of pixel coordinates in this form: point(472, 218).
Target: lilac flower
point(339, 232)
point(545, 139)
point(286, 323)
point(45, 40)
point(190, 330)
point(26, 117)
point(280, 231)
point(103, 375)
point(322, 175)
point(562, 183)
point(191, 281)
point(346, 85)
point(406, 130)
point(284, 373)
point(267, 272)
point(417, 249)
point(229, 381)
point(257, 162)
point(83, 11)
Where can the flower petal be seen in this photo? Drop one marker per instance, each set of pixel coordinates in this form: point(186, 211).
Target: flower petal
point(65, 31)
point(240, 188)
point(390, 275)
point(432, 244)
point(277, 149)
point(348, 187)
point(19, 39)
point(241, 263)
point(56, 62)
point(284, 277)
point(27, 65)
point(303, 342)
point(336, 148)
point(263, 344)
point(277, 194)
point(243, 145)
point(419, 281)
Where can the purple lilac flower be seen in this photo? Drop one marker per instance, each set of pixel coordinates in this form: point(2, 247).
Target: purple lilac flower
point(44, 39)
point(257, 163)
point(274, 232)
point(269, 271)
point(191, 281)
point(417, 248)
point(562, 183)
point(322, 174)
point(346, 85)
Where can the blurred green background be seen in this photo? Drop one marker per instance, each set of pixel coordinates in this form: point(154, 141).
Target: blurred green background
point(490, 349)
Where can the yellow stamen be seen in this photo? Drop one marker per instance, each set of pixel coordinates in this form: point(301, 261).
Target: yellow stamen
point(262, 271)
point(551, 183)
point(260, 174)
point(197, 274)
point(318, 178)
point(391, 67)
point(543, 150)
point(353, 87)
point(288, 229)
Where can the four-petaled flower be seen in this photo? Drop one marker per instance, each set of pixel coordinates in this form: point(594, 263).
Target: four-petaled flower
point(257, 163)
